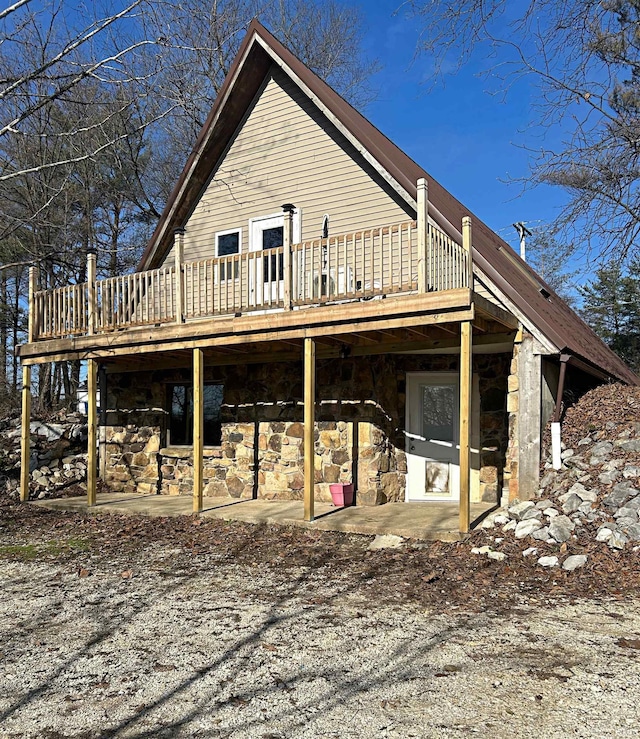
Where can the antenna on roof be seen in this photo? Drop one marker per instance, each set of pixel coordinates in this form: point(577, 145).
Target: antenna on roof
point(523, 232)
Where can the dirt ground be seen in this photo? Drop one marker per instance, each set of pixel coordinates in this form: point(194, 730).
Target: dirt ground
point(133, 627)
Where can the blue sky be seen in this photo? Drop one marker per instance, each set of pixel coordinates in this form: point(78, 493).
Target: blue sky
point(467, 138)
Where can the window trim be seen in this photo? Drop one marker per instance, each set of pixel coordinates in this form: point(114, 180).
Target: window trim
point(237, 230)
point(297, 226)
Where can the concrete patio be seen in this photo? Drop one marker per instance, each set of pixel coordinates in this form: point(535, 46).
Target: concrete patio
point(426, 521)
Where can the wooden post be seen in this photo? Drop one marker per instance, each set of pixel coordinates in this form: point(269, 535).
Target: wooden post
point(423, 227)
point(287, 239)
point(309, 426)
point(466, 243)
point(466, 359)
point(465, 425)
point(102, 424)
point(178, 252)
point(33, 327)
point(91, 293)
point(92, 418)
point(198, 427)
point(25, 442)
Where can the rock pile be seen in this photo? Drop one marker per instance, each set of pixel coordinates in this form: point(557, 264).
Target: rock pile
point(58, 454)
point(596, 493)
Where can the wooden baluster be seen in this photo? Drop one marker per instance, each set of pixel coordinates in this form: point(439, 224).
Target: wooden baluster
point(372, 258)
point(345, 267)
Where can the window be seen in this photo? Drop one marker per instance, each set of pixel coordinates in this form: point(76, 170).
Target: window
point(274, 267)
point(228, 243)
point(180, 400)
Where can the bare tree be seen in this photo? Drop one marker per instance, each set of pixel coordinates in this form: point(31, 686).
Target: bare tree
point(584, 58)
point(98, 114)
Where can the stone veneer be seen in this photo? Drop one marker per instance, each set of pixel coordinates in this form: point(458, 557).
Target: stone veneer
point(359, 434)
point(511, 490)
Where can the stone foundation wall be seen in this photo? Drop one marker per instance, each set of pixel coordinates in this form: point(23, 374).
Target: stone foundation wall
point(359, 437)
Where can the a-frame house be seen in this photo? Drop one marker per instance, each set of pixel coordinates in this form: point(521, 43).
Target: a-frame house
point(314, 309)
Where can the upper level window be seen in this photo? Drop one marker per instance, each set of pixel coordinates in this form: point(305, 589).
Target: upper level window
point(228, 243)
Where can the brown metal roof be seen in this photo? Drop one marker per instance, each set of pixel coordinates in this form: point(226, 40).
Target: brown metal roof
point(519, 283)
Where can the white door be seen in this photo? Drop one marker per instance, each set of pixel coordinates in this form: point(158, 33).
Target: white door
point(267, 283)
point(432, 437)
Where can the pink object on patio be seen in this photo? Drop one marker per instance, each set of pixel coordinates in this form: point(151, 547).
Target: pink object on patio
point(342, 494)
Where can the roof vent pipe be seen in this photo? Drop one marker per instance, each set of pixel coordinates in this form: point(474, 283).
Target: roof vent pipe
point(523, 232)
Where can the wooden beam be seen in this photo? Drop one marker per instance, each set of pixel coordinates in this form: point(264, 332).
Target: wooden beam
point(198, 427)
point(245, 330)
point(92, 427)
point(309, 427)
point(25, 440)
point(488, 309)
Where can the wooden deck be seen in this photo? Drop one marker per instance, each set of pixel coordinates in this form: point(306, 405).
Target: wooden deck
point(296, 285)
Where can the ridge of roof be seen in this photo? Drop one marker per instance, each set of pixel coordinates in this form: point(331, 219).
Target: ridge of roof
point(502, 265)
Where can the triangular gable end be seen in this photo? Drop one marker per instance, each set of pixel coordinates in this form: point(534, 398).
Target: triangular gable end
point(513, 281)
point(286, 150)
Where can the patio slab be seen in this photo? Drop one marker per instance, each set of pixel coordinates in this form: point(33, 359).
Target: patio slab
point(425, 521)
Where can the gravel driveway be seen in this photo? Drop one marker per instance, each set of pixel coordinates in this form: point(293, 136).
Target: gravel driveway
point(239, 650)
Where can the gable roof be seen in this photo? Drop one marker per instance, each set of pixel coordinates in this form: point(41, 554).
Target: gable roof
point(515, 279)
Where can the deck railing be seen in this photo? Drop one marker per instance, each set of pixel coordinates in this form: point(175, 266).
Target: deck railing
point(351, 266)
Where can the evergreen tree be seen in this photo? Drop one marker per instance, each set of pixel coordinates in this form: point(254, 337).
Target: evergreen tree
point(611, 306)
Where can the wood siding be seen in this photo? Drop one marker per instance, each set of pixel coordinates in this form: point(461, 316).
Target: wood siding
point(286, 151)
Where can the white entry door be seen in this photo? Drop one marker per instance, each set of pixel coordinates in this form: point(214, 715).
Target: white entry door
point(267, 280)
point(432, 437)
point(267, 283)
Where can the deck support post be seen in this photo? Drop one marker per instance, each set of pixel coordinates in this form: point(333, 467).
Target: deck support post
point(92, 425)
point(178, 253)
point(91, 293)
point(198, 427)
point(465, 425)
point(25, 440)
point(466, 359)
point(287, 239)
point(309, 426)
point(102, 423)
point(422, 199)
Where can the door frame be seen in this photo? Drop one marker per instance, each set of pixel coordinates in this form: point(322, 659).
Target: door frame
point(256, 226)
point(475, 431)
point(435, 378)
